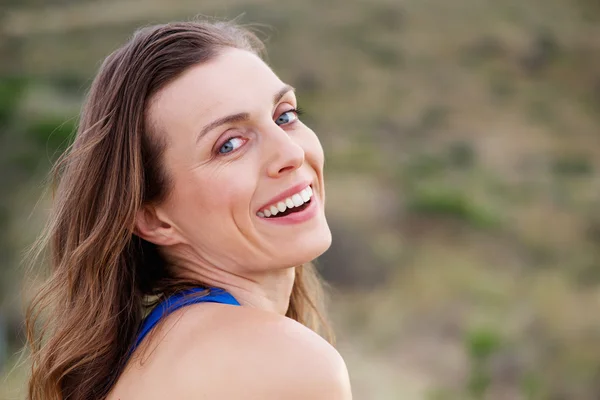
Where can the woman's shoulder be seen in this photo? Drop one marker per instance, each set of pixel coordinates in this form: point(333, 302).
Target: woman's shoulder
point(221, 351)
point(257, 354)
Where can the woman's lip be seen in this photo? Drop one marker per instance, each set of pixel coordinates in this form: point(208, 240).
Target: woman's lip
point(285, 194)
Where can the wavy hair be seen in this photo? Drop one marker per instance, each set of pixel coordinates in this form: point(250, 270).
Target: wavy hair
point(84, 320)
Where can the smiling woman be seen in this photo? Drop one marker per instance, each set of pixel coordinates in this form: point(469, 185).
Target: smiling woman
point(186, 215)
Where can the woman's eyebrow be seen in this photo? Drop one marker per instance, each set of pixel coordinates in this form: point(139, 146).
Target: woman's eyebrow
point(282, 92)
point(239, 117)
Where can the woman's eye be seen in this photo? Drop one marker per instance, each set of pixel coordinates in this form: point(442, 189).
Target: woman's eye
point(287, 117)
point(231, 145)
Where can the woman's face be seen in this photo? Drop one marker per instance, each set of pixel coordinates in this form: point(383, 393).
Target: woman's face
point(247, 175)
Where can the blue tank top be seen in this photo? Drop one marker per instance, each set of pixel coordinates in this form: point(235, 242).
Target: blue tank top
point(179, 300)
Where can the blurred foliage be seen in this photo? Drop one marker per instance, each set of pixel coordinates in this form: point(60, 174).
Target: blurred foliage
point(53, 133)
point(481, 345)
point(10, 92)
point(462, 166)
point(452, 203)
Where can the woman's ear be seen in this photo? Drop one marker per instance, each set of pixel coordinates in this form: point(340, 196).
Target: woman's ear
point(151, 226)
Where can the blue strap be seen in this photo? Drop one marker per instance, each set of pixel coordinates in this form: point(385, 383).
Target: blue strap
point(179, 300)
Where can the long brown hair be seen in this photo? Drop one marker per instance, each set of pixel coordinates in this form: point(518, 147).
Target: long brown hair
point(84, 319)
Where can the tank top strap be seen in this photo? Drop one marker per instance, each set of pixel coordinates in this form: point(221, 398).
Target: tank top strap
point(179, 300)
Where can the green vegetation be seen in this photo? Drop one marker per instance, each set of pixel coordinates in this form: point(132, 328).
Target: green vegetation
point(52, 133)
point(10, 93)
point(481, 345)
point(451, 203)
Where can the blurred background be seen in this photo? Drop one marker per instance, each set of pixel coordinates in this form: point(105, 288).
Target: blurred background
point(463, 171)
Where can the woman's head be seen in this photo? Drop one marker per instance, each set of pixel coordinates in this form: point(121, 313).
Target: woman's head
point(186, 142)
point(233, 146)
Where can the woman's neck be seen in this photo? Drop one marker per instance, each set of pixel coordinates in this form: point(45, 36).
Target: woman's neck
point(270, 293)
point(266, 290)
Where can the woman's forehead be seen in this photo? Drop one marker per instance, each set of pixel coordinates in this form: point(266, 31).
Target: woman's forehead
point(232, 82)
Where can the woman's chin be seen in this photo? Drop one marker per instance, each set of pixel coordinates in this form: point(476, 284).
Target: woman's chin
point(308, 247)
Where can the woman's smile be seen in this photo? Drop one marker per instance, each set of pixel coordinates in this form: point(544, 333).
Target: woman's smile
point(293, 206)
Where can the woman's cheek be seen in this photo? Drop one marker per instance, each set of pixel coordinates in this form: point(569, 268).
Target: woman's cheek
point(313, 148)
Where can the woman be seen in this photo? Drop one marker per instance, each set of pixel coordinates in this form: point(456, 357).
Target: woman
point(191, 186)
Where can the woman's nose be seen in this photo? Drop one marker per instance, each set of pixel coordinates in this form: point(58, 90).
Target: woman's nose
point(284, 153)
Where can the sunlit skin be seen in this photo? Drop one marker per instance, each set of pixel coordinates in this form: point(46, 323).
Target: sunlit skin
point(208, 226)
point(210, 231)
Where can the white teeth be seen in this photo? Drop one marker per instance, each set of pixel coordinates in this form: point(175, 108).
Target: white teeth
point(294, 201)
point(305, 196)
point(297, 200)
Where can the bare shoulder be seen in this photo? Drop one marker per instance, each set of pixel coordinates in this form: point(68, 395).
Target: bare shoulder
point(209, 351)
point(252, 354)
